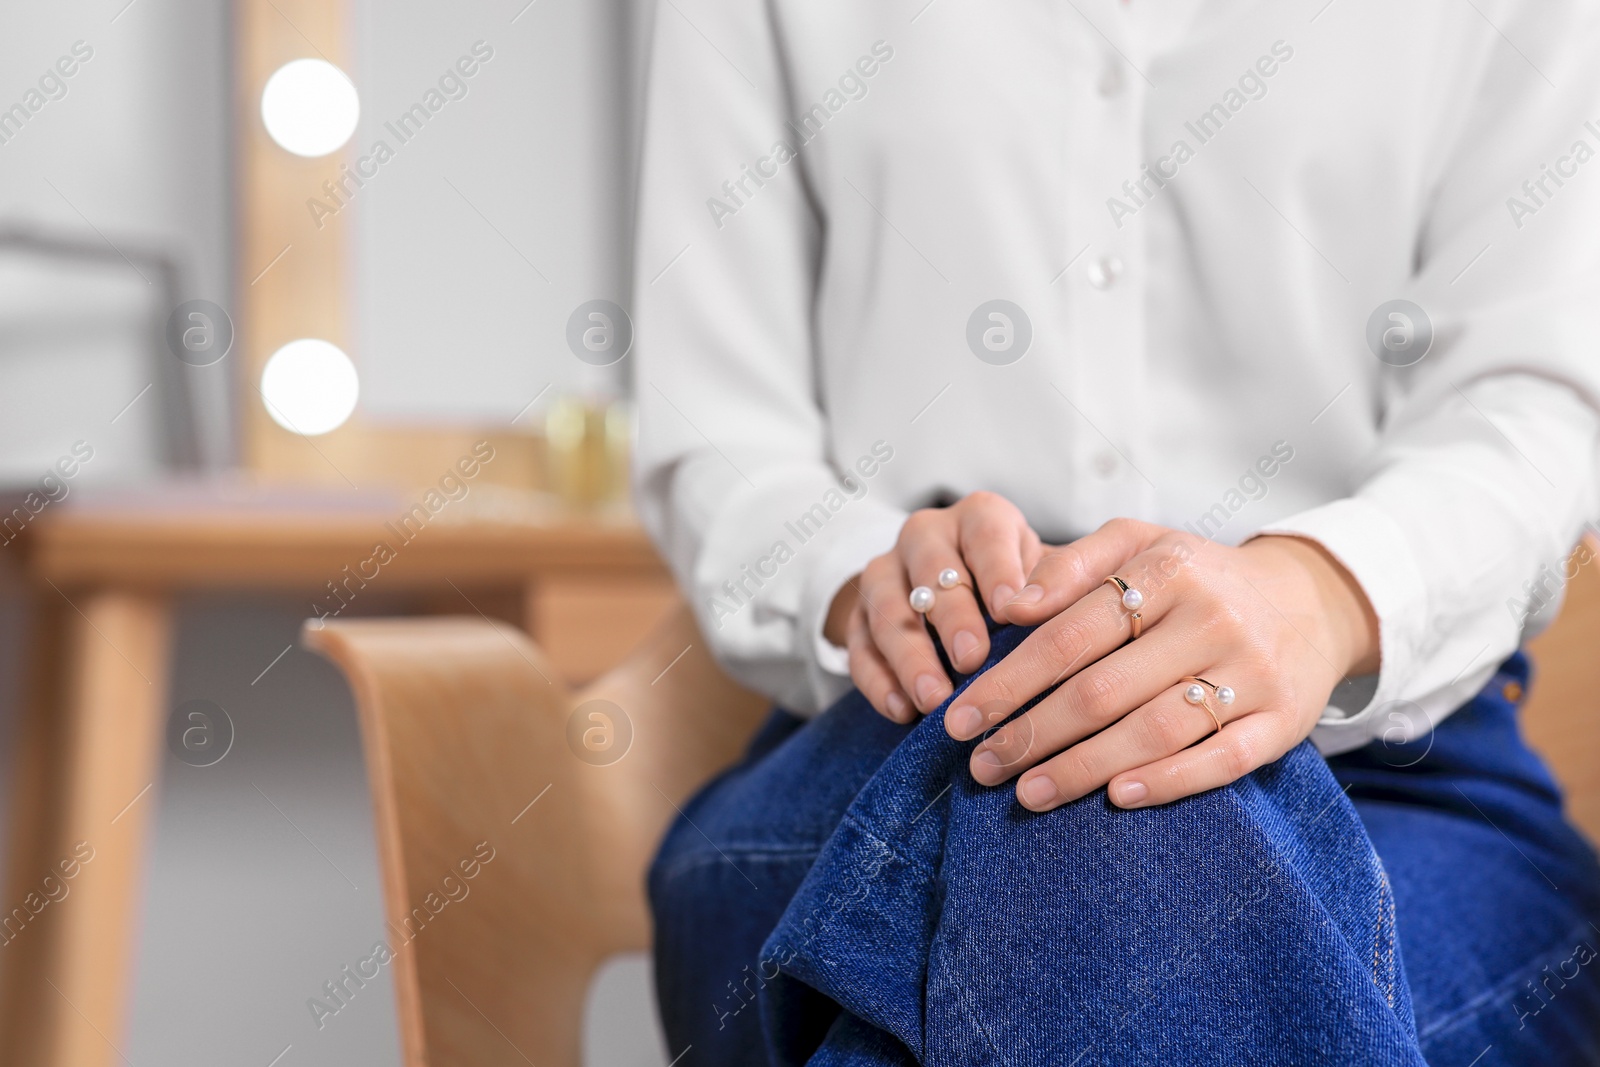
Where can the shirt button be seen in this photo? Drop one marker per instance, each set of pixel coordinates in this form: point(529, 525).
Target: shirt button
point(1110, 83)
point(1103, 272)
point(1105, 463)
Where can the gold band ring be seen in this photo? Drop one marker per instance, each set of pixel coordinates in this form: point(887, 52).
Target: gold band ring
point(1132, 600)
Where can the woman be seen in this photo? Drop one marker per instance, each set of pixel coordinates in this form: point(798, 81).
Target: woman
point(1114, 396)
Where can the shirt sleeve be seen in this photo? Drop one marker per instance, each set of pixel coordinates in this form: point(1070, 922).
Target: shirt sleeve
point(732, 476)
point(1486, 469)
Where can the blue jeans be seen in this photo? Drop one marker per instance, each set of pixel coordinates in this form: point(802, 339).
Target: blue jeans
point(848, 895)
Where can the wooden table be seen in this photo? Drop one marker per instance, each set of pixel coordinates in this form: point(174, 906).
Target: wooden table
point(102, 572)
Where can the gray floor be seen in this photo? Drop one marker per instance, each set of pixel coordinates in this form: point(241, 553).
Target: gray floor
point(263, 880)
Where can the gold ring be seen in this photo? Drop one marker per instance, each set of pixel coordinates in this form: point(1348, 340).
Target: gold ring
point(1132, 600)
point(950, 578)
point(1197, 693)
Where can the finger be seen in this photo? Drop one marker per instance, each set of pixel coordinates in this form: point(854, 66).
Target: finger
point(871, 673)
point(1096, 699)
point(1100, 692)
point(1067, 574)
point(899, 634)
point(955, 615)
point(1163, 726)
point(1092, 627)
point(1069, 642)
point(1033, 550)
point(1244, 744)
point(996, 543)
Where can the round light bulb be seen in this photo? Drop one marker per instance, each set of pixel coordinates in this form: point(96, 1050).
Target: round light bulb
point(309, 387)
point(310, 107)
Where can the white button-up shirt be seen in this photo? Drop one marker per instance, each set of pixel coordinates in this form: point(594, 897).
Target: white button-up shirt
point(1327, 268)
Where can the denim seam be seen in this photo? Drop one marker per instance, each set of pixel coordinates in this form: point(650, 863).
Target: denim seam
point(1384, 972)
point(1383, 945)
point(698, 861)
point(754, 851)
point(867, 832)
point(1470, 1009)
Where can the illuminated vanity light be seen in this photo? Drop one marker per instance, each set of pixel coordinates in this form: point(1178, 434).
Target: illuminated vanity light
point(309, 387)
point(310, 107)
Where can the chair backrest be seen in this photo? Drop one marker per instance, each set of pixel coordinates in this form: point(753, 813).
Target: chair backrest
point(1562, 717)
point(515, 819)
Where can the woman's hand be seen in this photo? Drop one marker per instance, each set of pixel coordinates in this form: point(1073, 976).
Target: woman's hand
point(892, 659)
point(1276, 620)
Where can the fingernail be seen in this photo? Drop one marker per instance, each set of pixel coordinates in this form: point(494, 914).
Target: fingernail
point(987, 768)
point(1002, 593)
point(964, 645)
point(1127, 794)
point(1037, 791)
point(897, 705)
point(928, 688)
point(963, 721)
point(1031, 594)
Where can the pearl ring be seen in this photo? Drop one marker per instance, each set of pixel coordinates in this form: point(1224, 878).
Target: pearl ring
point(922, 597)
point(1133, 600)
point(1196, 693)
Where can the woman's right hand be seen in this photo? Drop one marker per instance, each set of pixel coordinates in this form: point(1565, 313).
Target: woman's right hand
point(985, 538)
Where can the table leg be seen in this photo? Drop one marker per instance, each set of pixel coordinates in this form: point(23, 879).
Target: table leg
point(88, 754)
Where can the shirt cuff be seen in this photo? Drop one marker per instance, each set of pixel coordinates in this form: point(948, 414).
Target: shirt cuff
point(873, 532)
point(1373, 547)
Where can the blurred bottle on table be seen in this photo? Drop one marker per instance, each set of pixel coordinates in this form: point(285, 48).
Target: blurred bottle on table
point(586, 448)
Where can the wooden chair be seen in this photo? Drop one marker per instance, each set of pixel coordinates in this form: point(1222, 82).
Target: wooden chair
point(472, 751)
point(467, 738)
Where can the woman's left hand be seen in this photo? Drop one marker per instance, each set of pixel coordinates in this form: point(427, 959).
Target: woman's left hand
point(1277, 620)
